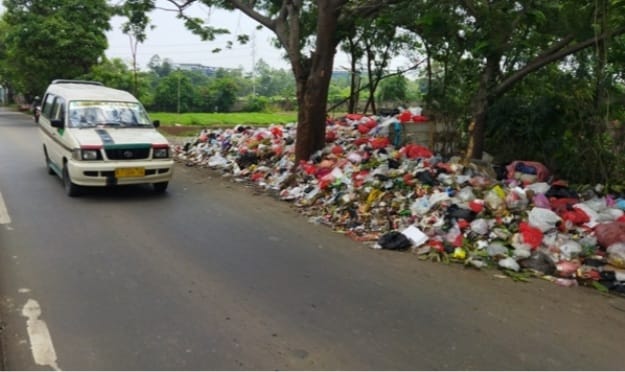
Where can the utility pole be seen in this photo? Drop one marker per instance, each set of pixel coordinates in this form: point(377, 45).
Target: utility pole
point(178, 93)
point(254, 64)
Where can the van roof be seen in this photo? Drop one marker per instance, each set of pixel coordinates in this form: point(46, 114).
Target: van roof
point(80, 91)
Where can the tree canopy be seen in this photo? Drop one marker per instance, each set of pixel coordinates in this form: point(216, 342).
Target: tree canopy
point(52, 39)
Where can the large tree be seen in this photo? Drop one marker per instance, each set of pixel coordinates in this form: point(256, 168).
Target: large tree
point(507, 40)
point(52, 39)
point(309, 32)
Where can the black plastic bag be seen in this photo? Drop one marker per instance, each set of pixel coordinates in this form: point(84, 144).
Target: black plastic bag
point(454, 212)
point(395, 241)
point(540, 262)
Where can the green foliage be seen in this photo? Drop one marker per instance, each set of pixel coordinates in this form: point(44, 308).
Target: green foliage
point(52, 39)
point(537, 121)
point(393, 89)
point(273, 82)
point(222, 94)
point(174, 93)
point(256, 104)
point(113, 73)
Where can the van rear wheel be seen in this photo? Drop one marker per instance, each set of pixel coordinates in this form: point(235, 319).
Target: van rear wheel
point(71, 189)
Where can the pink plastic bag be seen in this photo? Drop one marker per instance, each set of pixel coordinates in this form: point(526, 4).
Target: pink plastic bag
point(541, 172)
point(610, 233)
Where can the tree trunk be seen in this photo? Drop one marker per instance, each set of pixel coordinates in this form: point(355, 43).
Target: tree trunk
point(481, 103)
point(354, 79)
point(312, 88)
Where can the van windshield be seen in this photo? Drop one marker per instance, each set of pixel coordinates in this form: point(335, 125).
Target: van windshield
point(91, 114)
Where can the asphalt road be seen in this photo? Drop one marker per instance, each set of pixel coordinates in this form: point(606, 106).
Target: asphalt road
point(213, 276)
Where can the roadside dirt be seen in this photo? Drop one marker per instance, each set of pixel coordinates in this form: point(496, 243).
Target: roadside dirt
point(179, 131)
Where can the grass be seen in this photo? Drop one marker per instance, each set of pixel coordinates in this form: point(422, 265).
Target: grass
point(224, 119)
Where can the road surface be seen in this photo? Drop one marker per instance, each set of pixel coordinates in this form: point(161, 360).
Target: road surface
point(213, 276)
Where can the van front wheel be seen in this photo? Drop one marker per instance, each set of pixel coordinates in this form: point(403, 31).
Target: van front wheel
point(48, 166)
point(160, 187)
point(71, 189)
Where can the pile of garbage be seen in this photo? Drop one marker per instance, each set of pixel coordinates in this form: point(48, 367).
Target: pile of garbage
point(372, 187)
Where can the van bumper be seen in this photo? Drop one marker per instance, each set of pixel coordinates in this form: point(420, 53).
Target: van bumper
point(85, 173)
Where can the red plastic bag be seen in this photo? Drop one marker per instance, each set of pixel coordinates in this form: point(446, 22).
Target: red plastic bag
point(476, 205)
point(337, 150)
point(360, 177)
point(354, 116)
point(277, 149)
point(532, 236)
point(277, 132)
point(576, 216)
point(417, 151)
point(379, 142)
point(420, 118)
point(371, 123)
point(308, 168)
point(561, 205)
point(363, 129)
point(405, 117)
point(361, 141)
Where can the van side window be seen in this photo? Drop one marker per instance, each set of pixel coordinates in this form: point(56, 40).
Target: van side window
point(46, 110)
point(58, 109)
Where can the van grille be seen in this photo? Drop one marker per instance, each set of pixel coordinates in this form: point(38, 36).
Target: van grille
point(127, 153)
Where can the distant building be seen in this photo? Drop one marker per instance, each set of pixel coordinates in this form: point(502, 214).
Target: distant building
point(208, 70)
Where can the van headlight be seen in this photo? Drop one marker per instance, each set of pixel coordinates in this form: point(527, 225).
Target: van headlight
point(90, 154)
point(161, 152)
point(87, 153)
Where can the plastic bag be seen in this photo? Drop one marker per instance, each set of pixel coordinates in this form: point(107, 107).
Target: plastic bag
point(570, 249)
point(517, 169)
point(544, 219)
point(616, 255)
point(610, 233)
point(217, 161)
point(394, 240)
point(541, 201)
point(497, 249)
point(540, 262)
point(493, 200)
point(480, 226)
point(438, 197)
point(509, 263)
point(466, 194)
point(421, 206)
point(532, 236)
point(516, 199)
point(539, 187)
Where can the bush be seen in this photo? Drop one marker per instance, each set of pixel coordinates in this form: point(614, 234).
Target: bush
point(256, 104)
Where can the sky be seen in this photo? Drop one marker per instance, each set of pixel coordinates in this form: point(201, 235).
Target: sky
point(170, 39)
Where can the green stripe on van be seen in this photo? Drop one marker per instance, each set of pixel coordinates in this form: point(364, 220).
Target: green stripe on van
point(129, 146)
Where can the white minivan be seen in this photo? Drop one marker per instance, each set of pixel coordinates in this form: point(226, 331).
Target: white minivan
point(98, 136)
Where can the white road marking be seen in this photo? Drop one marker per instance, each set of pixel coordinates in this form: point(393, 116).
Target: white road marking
point(39, 335)
point(4, 213)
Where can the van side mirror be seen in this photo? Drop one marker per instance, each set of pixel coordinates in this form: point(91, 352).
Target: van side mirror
point(156, 123)
point(57, 123)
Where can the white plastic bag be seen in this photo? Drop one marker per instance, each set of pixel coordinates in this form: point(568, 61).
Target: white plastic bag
point(544, 219)
point(570, 249)
point(509, 263)
point(480, 226)
point(420, 206)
